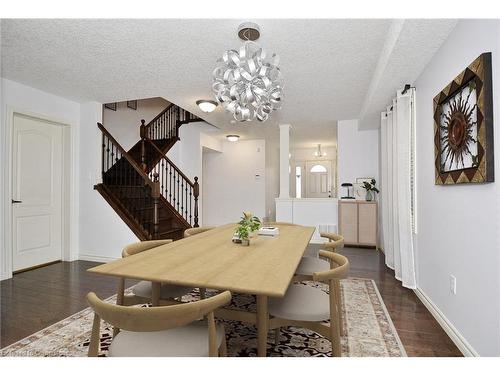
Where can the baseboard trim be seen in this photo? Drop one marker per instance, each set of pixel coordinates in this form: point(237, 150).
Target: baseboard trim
point(95, 258)
point(455, 336)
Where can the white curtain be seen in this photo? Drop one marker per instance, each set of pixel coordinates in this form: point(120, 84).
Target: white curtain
point(397, 138)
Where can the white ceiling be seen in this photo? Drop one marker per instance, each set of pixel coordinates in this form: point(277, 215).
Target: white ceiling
point(333, 69)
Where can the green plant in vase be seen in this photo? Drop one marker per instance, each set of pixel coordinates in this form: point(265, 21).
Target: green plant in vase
point(248, 224)
point(243, 233)
point(252, 221)
point(370, 187)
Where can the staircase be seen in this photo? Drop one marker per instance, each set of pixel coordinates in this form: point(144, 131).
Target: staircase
point(144, 187)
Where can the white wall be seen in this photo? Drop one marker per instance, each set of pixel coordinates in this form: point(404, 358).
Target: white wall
point(357, 153)
point(459, 226)
point(19, 97)
point(231, 183)
point(103, 234)
point(124, 123)
point(188, 154)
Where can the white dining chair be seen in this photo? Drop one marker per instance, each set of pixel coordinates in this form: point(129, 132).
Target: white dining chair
point(166, 331)
point(308, 307)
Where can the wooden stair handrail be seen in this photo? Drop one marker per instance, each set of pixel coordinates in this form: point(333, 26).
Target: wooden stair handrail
point(155, 147)
point(127, 156)
point(158, 116)
point(178, 121)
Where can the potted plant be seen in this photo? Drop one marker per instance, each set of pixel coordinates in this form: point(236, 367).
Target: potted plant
point(247, 225)
point(243, 232)
point(370, 187)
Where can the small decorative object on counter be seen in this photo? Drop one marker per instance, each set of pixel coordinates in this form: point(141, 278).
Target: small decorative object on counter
point(247, 225)
point(370, 187)
point(349, 189)
point(269, 231)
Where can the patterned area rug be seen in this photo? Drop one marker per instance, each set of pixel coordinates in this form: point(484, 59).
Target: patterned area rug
point(370, 332)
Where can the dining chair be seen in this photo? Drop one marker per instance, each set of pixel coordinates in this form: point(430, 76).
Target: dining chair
point(308, 307)
point(193, 231)
point(335, 241)
point(166, 331)
point(143, 290)
point(310, 264)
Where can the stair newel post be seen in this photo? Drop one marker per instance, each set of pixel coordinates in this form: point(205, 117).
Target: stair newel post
point(156, 202)
point(143, 145)
point(196, 193)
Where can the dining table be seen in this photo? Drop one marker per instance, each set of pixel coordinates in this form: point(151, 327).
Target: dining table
point(211, 260)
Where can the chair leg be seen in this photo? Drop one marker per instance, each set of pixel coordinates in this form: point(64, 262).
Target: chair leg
point(339, 308)
point(223, 344)
point(95, 337)
point(277, 336)
point(334, 320)
point(120, 297)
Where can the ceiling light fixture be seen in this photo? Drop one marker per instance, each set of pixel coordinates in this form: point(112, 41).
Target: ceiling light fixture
point(318, 153)
point(207, 106)
point(232, 137)
point(246, 83)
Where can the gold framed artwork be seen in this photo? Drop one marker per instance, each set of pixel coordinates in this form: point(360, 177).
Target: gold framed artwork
point(463, 126)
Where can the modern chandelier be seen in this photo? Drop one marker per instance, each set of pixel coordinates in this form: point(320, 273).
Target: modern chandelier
point(246, 83)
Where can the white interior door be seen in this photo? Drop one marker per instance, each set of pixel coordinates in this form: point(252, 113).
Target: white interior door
point(36, 192)
point(318, 184)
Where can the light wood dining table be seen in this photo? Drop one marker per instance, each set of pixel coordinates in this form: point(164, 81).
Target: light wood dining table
point(211, 260)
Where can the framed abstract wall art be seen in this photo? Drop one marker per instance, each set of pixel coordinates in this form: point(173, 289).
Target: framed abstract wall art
point(463, 127)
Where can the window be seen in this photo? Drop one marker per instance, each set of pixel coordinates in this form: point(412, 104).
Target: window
point(298, 182)
point(318, 169)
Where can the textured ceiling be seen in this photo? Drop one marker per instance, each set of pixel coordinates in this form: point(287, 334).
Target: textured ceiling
point(328, 65)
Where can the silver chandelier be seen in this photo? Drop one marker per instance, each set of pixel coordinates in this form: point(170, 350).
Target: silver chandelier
point(246, 83)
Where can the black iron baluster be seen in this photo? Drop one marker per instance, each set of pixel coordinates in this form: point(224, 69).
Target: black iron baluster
point(102, 158)
point(162, 126)
point(185, 200)
point(178, 191)
point(107, 156)
point(113, 176)
point(190, 205)
point(173, 201)
point(170, 186)
point(182, 197)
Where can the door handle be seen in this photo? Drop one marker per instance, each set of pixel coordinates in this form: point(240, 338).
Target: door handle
point(14, 201)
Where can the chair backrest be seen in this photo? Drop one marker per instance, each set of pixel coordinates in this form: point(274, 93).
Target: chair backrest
point(336, 241)
point(339, 270)
point(139, 247)
point(150, 319)
point(192, 231)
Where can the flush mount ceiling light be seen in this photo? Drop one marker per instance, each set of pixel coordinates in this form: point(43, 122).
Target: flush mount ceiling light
point(245, 82)
point(207, 106)
point(318, 153)
point(232, 137)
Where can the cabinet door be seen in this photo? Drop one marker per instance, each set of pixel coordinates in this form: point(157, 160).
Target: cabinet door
point(349, 222)
point(367, 231)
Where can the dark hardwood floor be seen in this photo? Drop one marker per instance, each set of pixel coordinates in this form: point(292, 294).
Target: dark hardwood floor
point(419, 332)
point(35, 299)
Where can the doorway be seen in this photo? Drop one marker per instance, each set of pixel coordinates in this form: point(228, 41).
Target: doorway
point(318, 179)
point(37, 191)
